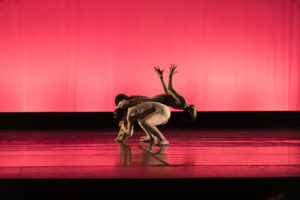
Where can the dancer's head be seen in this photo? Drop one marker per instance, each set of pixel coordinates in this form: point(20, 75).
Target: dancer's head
point(190, 113)
point(119, 98)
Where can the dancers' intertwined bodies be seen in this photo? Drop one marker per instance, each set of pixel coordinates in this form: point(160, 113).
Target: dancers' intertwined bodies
point(148, 112)
point(148, 115)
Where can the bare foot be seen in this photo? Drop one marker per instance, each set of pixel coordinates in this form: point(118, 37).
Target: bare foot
point(147, 139)
point(144, 138)
point(163, 142)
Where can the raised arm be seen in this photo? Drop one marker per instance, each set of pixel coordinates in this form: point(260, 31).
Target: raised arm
point(160, 74)
point(170, 86)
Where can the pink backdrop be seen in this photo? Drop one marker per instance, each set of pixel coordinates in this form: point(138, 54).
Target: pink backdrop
point(76, 55)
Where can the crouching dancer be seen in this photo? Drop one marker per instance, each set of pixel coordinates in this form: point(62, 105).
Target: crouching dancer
point(148, 115)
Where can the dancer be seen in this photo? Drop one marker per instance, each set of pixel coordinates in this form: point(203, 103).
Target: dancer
point(148, 115)
point(172, 98)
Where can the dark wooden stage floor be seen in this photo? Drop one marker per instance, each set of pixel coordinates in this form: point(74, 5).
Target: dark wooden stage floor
point(252, 161)
point(205, 153)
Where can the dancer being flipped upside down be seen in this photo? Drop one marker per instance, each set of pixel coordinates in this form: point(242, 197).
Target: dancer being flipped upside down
point(170, 98)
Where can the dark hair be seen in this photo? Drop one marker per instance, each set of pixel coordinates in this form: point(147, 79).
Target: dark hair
point(119, 98)
point(119, 113)
point(188, 114)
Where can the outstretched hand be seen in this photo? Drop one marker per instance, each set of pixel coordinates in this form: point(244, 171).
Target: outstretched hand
point(159, 71)
point(173, 70)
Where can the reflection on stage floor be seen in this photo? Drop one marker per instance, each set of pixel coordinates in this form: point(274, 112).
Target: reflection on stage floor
point(196, 153)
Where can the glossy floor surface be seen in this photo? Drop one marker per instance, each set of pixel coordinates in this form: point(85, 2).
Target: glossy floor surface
point(200, 153)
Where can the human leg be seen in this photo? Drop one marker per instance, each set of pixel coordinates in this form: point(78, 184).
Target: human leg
point(149, 137)
point(149, 123)
point(158, 134)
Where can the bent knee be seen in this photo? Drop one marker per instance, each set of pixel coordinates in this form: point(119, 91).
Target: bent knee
point(166, 113)
point(144, 123)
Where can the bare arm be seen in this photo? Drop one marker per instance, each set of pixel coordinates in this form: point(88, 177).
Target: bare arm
point(128, 130)
point(170, 86)
point(160, 74)
point(122, 136)
point(127, 126)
